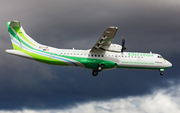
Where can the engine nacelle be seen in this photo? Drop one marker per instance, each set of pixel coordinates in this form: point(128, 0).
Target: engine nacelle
point(114, 48)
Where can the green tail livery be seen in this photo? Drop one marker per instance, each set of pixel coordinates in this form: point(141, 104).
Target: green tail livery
point(103, 56)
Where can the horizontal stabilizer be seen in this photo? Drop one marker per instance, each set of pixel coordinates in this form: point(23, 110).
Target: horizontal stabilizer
point(19, 53)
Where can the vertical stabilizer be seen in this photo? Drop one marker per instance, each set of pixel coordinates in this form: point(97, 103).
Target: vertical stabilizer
point(20, 40)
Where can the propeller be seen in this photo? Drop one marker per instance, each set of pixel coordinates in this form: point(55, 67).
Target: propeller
point(123, 43)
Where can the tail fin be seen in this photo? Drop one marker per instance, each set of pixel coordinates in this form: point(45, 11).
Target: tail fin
point(19, 38)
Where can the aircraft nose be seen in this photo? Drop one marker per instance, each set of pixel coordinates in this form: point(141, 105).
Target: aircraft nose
point(170, 65)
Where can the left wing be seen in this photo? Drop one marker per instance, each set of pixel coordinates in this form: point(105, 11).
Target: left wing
point(105, 40)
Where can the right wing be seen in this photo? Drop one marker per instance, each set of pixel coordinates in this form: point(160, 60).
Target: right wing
point(105, 40)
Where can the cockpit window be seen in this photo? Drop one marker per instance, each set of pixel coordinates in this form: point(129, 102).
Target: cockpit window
point(160, 56)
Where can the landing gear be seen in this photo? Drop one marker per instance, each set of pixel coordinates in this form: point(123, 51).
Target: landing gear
point(100, 67)
point(95, 73)
point(161, 72)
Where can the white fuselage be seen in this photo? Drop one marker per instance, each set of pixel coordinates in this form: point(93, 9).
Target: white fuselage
point(124, 60)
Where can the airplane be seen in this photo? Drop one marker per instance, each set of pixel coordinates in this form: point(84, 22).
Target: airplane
point(104, 55)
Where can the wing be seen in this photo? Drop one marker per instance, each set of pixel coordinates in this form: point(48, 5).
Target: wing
point(105, 40)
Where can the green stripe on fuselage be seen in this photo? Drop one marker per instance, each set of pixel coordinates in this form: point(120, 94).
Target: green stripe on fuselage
point(146, 68)
point(40, 58)
point(92, 63)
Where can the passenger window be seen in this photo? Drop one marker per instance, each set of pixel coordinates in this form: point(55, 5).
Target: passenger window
point(98, 55)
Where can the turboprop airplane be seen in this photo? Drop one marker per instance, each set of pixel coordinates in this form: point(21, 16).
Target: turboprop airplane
point(103, 56)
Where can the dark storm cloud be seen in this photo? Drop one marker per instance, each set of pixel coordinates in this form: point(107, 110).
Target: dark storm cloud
point(147, 25)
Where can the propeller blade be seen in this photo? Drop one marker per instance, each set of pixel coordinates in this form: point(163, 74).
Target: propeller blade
point(123, 43)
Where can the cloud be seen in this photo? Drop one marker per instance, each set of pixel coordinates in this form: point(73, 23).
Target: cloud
point(161, 101)
point(147, 25)
point(164, 101)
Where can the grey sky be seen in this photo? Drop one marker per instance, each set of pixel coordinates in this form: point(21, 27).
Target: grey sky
point(146, 25)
